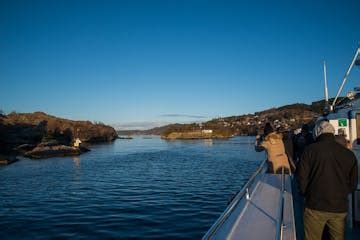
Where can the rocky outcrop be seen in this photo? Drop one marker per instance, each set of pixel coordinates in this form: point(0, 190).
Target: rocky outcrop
point(6, 160)
point(51, 148)
point(22, 132)
point(23, 148)
point(53, 151)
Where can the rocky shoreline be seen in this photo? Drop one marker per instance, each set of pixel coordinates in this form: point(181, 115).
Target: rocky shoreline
point(6, 160)
point(39, 135)
point(191, 135)
point(45, 150)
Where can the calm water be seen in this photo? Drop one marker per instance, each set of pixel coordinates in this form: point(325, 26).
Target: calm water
point(140, 188)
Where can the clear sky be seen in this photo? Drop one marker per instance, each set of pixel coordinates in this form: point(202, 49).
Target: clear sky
point(139, 63)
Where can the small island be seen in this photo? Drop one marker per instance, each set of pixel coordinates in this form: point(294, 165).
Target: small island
point(39, 135)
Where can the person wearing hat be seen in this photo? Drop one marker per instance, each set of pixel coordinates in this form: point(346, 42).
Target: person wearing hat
point(327, 174)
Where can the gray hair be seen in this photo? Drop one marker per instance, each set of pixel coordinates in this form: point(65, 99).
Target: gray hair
point(323, 127)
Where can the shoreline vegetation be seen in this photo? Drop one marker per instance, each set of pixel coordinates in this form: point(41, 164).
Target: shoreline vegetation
point(39, 135)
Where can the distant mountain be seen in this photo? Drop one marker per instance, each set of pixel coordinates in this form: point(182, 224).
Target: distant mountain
point(152, 131)
point(129, 132)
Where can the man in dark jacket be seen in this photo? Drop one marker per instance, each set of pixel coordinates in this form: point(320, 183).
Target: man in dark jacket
point(327, 174)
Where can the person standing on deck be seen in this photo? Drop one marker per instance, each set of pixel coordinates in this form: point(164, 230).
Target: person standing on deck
point(273, 144)
point(301, 141)
point(327, 174)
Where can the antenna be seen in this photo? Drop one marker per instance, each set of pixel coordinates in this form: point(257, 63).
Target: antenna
point(326, 87)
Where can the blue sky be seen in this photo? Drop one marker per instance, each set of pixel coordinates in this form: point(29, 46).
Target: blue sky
point(144, 63)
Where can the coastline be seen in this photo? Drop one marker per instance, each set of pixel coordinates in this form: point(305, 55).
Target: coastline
point(192, 135)
point(39, 135)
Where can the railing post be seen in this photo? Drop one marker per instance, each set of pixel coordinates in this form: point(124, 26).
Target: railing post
point(280, 224)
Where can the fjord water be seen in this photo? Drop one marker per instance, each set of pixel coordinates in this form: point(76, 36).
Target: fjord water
point(139, 188)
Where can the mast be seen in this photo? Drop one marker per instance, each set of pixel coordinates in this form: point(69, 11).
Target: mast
point(345, 78)
point(326, 89)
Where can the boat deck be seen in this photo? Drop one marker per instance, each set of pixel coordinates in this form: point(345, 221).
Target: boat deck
point(268, 207)
point(262, 207)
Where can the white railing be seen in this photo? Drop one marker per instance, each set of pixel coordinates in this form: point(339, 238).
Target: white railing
point(280, 223)
point(243, 192)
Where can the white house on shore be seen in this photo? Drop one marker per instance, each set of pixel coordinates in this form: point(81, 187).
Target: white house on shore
point(77, 142)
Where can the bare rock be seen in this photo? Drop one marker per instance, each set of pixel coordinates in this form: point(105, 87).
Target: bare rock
point(49, 143)
point(53, 151)
point(23, 148)
point(6, 160)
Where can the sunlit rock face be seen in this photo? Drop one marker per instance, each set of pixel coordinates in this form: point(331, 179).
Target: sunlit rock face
point(17, 129)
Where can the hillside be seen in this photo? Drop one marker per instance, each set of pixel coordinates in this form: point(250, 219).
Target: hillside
point(288, 116)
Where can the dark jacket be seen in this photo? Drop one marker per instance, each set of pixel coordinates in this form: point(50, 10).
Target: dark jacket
point(301, 141)
point(289, 149)
point(341, 140)
point(327, 173)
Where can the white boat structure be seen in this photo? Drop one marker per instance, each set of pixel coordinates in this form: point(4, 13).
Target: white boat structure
point(269, 206)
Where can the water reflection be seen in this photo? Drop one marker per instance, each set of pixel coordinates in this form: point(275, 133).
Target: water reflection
point(76, 161)
point(208, 142)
